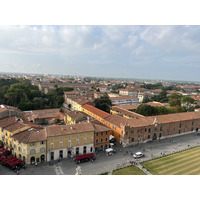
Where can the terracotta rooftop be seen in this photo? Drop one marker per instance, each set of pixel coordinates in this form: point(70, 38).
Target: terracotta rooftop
point(122, 98)
point(157, 104)
point(127, 112)
point(156, 90)
point(16, 126)
point(68, 129)
point(7, 121)
point(96, 111)
point(45, 111)
point(130, 107)
point(70, 92)
point(129, 89)
point(99, 127)
point(173, 92)
point(146, 121)
point(116, 120)
point(30, 135)
point(6, 107)
point(196, 98)
point(77, 115)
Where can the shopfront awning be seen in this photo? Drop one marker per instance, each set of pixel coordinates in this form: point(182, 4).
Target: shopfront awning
point(11, 161)
point(90, 155)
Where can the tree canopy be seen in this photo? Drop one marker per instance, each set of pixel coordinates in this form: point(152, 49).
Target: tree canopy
point(21, 94)
point(103, 103)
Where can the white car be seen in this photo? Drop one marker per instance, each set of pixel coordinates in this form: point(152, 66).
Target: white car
point(138, 155)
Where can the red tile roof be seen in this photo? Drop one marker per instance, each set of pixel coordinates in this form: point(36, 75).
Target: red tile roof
point(31, 135)
point(68, 129)
point(130, 107)
point(146, 121)
point(99, 127)
point(157, 104)
point(96, 111)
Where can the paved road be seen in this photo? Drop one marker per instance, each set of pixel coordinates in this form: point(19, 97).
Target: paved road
point(105, 163)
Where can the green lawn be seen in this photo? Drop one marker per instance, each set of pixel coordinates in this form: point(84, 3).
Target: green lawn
point(131, 170)
point(182, 163)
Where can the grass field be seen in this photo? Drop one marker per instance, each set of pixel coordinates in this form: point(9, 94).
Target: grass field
point(131, 170)
point(182, 163)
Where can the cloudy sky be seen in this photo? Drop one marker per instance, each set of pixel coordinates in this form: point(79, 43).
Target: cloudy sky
point(152, 52)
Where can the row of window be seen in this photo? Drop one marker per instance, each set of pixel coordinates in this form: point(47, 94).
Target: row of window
point(101, 140)
point(69, 143)
point(106, 133)
point(69, 136)
point(32, 151)
point(113, 127)
point(33, 144)
point(146, 130)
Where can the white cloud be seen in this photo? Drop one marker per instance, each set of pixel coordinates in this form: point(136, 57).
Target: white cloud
point(109, 45)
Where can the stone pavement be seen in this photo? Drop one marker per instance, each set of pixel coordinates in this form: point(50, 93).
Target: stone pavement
point(105, 163)
point(143, 169)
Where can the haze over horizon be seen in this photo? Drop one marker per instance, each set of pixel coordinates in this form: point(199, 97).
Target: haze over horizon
point(146, 52)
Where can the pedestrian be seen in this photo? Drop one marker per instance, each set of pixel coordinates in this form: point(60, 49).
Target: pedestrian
point(17, 172)
point(36, 164)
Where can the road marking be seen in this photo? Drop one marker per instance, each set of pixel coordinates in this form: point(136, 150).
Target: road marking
point(59, 170)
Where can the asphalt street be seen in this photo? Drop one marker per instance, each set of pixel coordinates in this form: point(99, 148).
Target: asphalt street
point(104, 163)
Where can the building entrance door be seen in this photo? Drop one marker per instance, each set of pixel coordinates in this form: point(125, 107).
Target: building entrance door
point(61, 154)
point(42, 158)
point(154, 136)
point(69, 153)
point(77, 150)
point(52, 155)
point(84, 150)
point(32, 160)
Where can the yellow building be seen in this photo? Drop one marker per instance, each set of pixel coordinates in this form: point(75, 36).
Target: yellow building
point(74, 117)
point(10, 126)
point(30, 145)
point(69, 140)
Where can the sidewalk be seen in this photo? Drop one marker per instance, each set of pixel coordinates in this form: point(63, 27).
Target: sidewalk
point(143, 169)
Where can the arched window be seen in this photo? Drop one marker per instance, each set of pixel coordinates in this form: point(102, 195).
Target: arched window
point(42, 149)
point(32, 151)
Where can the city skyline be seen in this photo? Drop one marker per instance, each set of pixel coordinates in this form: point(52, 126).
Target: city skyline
point(142, 52)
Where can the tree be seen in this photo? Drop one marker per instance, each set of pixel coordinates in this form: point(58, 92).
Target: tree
point(187, 99)
point(162, 97)
point(146, 110)
point(26, 105)
point(146, 99)
point(175, 102)
point(103, 103)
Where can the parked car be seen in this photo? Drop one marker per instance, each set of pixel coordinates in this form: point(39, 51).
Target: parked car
point(138, 155)
point(110, 151)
